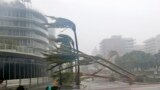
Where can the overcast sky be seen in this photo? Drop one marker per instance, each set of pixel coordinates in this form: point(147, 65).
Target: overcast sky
point(99, 19)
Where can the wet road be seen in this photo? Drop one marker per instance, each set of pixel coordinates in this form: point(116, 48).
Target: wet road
point(105, 85)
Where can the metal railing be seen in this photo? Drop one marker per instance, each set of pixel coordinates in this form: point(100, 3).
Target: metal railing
point(20, 49)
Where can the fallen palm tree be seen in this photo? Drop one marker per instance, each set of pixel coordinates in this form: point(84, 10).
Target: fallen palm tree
point(70, 55)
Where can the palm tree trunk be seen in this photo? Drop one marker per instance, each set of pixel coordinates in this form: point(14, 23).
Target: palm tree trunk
point(60, 75)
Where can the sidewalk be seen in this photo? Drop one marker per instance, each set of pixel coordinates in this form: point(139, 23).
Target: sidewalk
point(44, 86)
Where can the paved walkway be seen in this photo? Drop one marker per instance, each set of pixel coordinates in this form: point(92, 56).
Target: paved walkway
point(44, 86)
point(105, 85)
point(99, 84)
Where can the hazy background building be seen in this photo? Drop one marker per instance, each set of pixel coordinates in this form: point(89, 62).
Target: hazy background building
point(152, 45)
point(139, 48)
point(116, 43)
point(95, 51)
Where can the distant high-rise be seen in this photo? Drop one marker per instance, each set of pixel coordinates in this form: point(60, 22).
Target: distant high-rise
point(118, 44)
point(152, 45)
point(95, 51)
point(139, 48)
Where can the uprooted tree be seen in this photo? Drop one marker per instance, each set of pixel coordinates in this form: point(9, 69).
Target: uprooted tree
point(61, 55)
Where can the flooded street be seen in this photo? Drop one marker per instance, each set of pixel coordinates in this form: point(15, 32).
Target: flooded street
point(105, 85)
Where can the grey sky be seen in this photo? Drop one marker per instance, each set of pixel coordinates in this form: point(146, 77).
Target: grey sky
point(99, 19)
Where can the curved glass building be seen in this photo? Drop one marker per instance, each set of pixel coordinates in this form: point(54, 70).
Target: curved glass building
point(21, 29)
point(23, 37)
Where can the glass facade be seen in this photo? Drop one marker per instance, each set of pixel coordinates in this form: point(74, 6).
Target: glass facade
point(22, 28)
point(19, 66)
point(23, 38)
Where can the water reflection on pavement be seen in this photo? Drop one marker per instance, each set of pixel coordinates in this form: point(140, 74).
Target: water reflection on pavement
point(99, 84)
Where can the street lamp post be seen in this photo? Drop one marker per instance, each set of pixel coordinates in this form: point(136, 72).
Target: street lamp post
point(65, 23)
